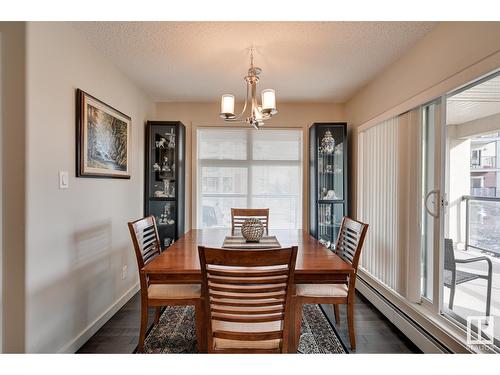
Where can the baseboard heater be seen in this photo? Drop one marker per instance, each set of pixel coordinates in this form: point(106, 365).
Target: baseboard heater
point(411, 329)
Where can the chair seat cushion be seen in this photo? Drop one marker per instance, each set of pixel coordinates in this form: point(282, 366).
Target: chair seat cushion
point(218, 325)
point(322, 290)
point(174, 291)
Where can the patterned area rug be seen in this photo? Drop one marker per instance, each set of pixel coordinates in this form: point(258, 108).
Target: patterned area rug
point(176, 333)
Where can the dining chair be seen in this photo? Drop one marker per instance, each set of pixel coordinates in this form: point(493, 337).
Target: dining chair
point(239, 215)
point(147, 247)
point(453, 277)
point(249, 299)
point(348, 247)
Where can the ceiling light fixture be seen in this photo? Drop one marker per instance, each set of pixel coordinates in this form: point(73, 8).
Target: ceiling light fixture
point(258, 113)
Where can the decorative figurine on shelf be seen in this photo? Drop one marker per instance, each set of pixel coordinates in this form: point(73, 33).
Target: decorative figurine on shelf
point(156, 167)
point(165, 167)
point(166, 188)
point(161, 143)
point(327, 143)
point(171, 142)
point(166, 170)
point(338, 149)
point(325, 243)
point(328, 215)
point(323, 193)
point(167, 242)
point(331, 195)
point(165, 217)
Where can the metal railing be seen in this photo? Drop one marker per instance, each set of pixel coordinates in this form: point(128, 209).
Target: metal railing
point(482, 223)
point(483, 192)
point(486, 162)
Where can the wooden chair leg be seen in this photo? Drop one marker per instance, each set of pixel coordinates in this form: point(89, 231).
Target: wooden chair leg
point(336, 310)
point(298, 321)
point(350, 323)
point(157, 315)
point(144, 326)
point(201, 337)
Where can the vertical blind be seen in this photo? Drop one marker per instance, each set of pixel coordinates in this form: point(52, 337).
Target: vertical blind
point(388, 199)
point(245, 168)
point(378, 201)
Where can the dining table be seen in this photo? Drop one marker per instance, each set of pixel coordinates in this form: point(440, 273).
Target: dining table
point(179, 263)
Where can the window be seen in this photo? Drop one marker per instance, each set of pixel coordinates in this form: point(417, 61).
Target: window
point(475, 159)
point(249, 169)
point(477, 182)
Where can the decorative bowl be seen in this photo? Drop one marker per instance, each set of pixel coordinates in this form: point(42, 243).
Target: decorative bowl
point(252, 229)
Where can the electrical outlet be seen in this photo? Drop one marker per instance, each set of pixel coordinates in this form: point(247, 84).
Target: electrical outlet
point(124, 272)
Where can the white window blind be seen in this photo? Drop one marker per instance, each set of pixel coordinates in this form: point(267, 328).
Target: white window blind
point(243, 168)
point(388, 191)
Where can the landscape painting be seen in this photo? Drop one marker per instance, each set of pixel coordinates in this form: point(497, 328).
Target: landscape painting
point(103, 142)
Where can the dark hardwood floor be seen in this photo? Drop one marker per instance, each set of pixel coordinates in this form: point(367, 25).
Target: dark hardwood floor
point(374, 333)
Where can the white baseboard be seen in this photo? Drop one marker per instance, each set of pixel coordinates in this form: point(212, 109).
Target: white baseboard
point(93, 327)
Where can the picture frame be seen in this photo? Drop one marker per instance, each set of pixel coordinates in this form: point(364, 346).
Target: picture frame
point(103, 139)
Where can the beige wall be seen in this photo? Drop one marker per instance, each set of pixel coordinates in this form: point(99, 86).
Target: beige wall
point(193, 115)
point(77, 239)
point(13, 168)
point(449, 56)
point(449, 49)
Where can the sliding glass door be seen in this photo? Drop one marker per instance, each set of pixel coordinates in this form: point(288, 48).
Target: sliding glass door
point(471, 238)
point(431, 200)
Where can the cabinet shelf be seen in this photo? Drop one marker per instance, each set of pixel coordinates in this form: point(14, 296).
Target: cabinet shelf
point(168, 199)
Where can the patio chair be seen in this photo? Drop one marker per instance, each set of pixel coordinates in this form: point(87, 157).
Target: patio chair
point(453, 277)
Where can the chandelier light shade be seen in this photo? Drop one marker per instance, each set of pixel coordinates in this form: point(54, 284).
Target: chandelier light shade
point(227, 105)
point(258, 113)
point(268, 101)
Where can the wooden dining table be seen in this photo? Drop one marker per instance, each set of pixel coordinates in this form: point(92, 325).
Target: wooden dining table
point(179, 264)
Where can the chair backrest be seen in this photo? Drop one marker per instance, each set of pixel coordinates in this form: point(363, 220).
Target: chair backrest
point(449, 255)
point(145, 239)
point(350, 240)
point(248, 295)
point(239, 215)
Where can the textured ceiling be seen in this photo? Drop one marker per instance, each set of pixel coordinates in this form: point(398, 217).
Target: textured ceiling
point(474, 103)
point(302, 61)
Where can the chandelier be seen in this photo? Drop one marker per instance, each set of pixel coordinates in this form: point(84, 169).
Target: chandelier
point(258, 113)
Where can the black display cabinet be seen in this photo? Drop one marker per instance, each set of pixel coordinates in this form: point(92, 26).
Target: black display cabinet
point(328, 180)
point(165, 175)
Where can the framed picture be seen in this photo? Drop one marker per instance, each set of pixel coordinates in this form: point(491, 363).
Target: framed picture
point(102, 139)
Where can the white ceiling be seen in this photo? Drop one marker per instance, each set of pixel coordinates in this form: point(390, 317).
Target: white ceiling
point(302, 61)
point(474, 103)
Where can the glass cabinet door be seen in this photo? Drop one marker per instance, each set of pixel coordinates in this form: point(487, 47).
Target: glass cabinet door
point(165, 214)
point(330, 169)
point(164, 182)
point(329, 220)
point(163, 160)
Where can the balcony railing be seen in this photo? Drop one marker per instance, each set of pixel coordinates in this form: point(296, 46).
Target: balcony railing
point(486, 162)
point(482, 223)
point(483, 192)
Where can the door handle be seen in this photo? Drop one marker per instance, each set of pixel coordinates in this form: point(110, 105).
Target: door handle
point(429, 211)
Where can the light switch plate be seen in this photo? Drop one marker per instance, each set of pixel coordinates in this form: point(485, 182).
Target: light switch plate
point(63, 180)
